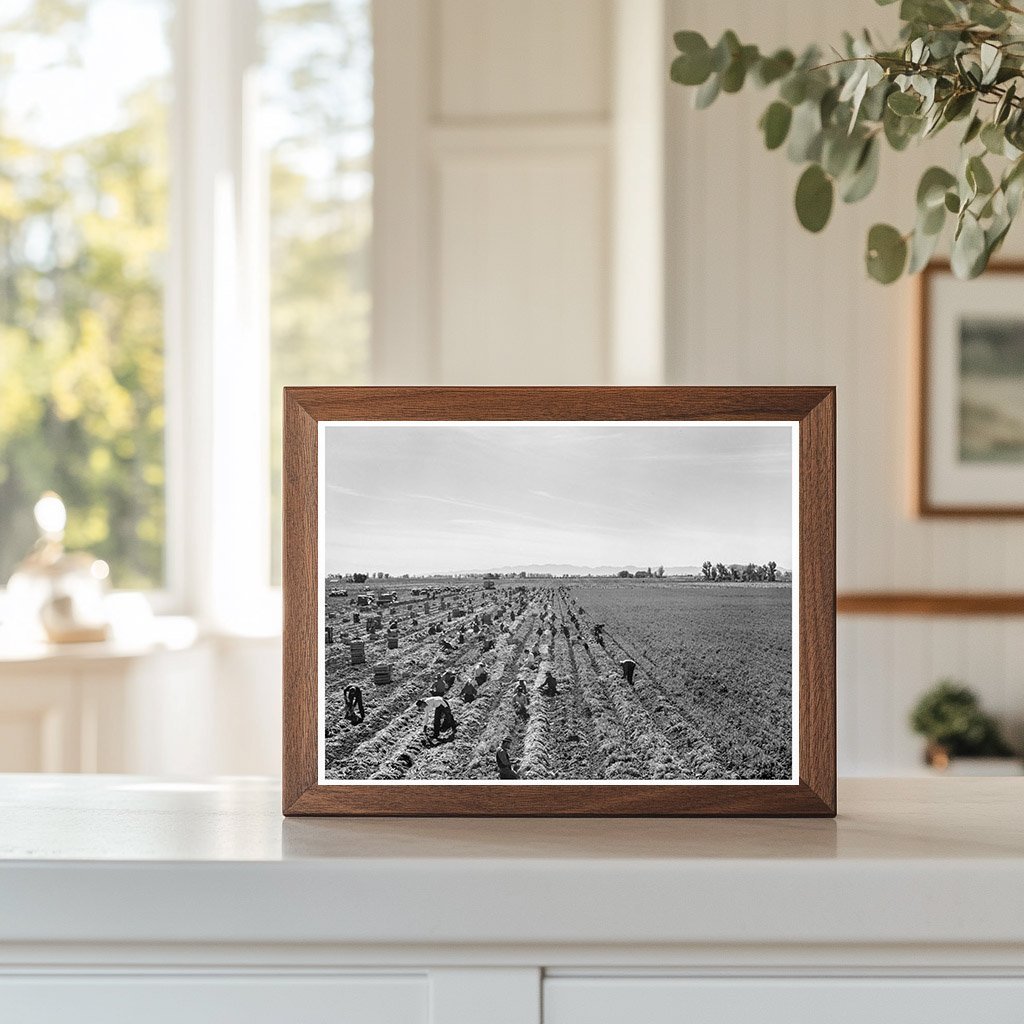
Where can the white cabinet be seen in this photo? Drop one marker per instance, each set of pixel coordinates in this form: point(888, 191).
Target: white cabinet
point(624, 1000)
point(202, 999)
point(131, 899)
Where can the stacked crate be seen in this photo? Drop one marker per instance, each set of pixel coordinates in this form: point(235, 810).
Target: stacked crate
point(357, 652)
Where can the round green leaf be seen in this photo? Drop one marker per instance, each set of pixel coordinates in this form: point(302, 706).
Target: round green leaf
point(968, 256)
point(814, 194)
point(707, 93)
point(887, 253)
point(693, 65)
point(770, 69)
point(922, 248)
point(775, 123)
point(993, 138)
point(932, 189)
point(865, 173)
point(903, 103)
point(978, 176)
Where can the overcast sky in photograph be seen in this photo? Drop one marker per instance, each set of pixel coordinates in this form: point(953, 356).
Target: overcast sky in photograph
point(471, 497)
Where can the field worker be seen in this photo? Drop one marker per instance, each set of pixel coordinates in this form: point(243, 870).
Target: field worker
point(480, 673)
point(550, 685)
point(501, 755)
point(433, 709)
point(468, 693)
point(354, 704)
point(519, 699)
point(599, 633)
point(628, 668)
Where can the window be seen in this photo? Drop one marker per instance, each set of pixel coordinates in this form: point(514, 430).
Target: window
point(83, 235)
point(317, 117)
point(185, 222)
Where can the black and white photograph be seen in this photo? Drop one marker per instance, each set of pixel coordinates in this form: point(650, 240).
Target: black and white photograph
point(556, 602)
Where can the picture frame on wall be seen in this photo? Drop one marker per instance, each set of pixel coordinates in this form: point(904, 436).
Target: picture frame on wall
point(970, 385)
point(559, 601)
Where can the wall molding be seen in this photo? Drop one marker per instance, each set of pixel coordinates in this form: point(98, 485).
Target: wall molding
point(928, 603)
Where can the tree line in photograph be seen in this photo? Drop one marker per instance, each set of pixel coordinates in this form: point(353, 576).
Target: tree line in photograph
point(749, 573)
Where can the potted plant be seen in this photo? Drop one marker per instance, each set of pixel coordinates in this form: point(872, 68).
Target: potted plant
point(956, 62)
point(950, 718)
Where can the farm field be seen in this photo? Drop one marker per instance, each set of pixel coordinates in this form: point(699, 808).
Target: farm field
point(710, 699)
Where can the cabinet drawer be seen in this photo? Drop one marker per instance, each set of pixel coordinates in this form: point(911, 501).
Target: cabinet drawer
point(202, 999)
point(782, 1001)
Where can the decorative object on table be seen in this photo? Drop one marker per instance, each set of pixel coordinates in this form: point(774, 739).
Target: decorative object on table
point(957, 63)
point(970, 450)
point(633, 593)
point(59, 594)
point(950, 718)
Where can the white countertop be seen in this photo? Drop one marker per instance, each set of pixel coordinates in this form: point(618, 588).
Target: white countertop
point(119, 859)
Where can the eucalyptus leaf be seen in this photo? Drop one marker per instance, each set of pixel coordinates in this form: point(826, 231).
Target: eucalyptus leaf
point(973, 130)
point(771, 69)
point(707, 93)
point(991, 60)
point(987, 15)
point(1005, 104)
point(794, 88)
point(775, 124)
point(904, 103)
point(978, 176)
point(922, 247)
point(805, 133)
point(931, 190)
point(814, 195)
point(865, 173)
point(886, 253)
point(968, 248)
point(993, 138)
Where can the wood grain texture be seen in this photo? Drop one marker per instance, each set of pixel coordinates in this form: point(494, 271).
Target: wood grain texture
point(812, 407)
point(923, 503)
point(924, 603)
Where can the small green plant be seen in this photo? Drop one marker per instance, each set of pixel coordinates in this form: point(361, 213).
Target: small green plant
point(956, 61)
point(950, 717)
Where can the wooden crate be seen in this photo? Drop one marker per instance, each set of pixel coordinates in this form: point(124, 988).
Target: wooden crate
point(357, 652)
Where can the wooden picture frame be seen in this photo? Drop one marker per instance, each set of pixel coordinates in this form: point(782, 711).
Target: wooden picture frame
point(929, 372)
point(811, 410)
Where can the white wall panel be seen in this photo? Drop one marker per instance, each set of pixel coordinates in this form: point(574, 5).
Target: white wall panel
point(526, 58)
point(754, 299)
point(522, 282)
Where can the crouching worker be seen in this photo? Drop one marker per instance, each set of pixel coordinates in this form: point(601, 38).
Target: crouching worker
point(479, 674)
point(354, 704)
point(628, 668)
point(550, 685)
point(506, 770)
point(468, 693)
point(437, 717)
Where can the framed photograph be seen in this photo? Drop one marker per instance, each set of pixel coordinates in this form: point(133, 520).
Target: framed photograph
point(970, 451)
point(559, 601)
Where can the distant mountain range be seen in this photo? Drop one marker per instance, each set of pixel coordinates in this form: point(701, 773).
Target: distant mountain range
point(595, 570)
point(558, 569)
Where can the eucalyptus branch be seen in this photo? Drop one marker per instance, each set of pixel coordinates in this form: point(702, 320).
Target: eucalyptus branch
point(955, 61)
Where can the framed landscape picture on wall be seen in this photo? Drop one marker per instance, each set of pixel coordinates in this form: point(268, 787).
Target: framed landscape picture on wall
point(970, 450)
point(567, 601)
